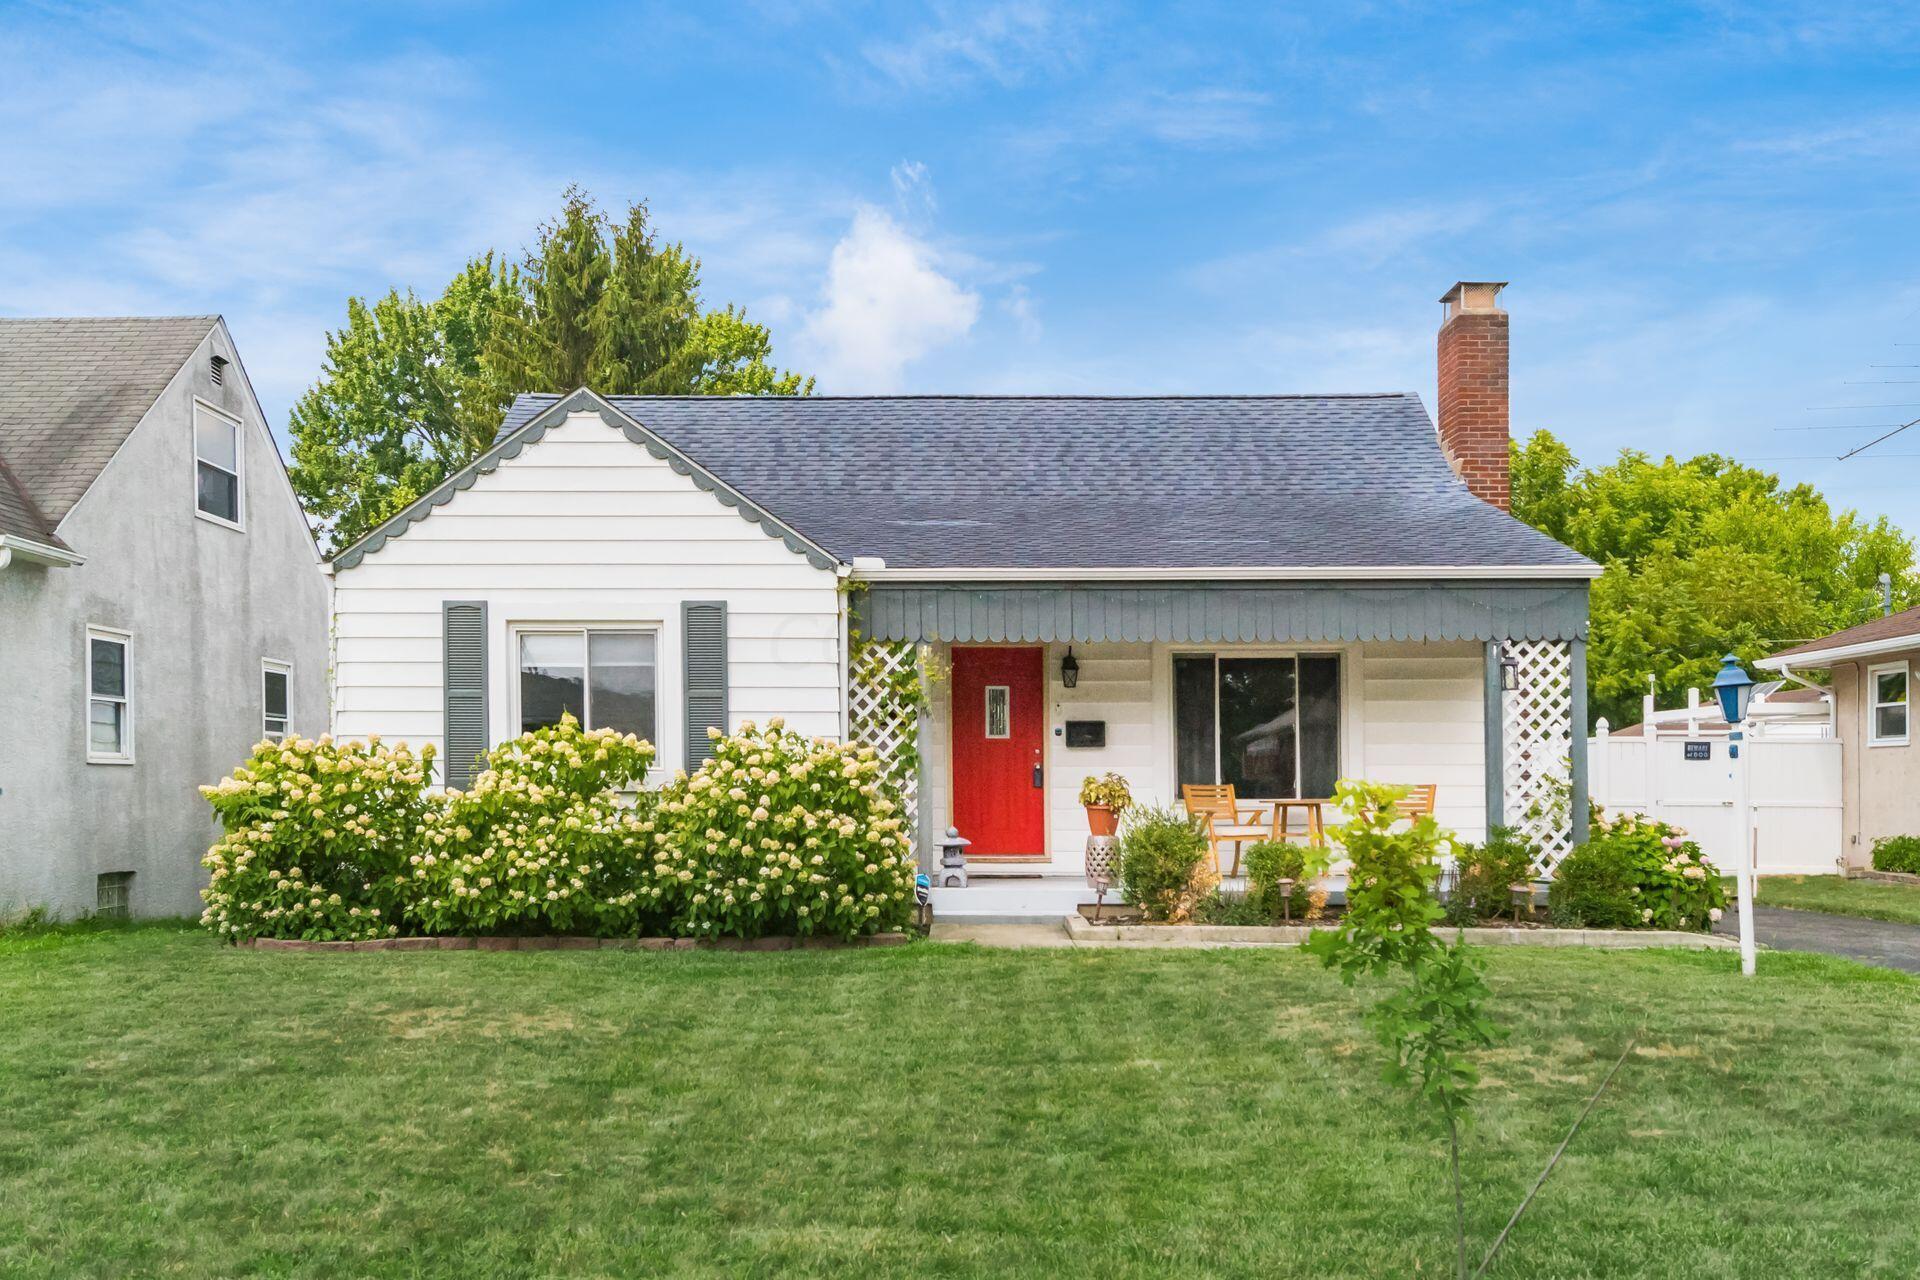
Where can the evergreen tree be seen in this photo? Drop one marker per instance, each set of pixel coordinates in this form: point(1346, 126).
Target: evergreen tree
point(411, 391)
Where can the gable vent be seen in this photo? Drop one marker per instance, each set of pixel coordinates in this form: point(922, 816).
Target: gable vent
point(218, 370)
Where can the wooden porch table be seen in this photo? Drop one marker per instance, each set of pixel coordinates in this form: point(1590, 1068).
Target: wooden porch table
point(1314, 825)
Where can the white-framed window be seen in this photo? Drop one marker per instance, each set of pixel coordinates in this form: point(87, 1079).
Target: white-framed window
point(1887, 705)
point(109, 696)
point(1267, 724)
point(276, 694)
point(218, 453)
point(605, 677)
point(999, 711)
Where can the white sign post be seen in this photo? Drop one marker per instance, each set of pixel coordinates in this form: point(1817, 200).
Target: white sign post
point(1743, 823)
point(1734, 687)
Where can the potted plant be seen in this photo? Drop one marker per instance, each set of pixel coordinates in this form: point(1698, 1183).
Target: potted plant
point(1106, 798)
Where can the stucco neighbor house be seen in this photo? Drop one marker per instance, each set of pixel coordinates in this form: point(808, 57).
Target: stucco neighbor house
point(1272, 591)
point(162, 605)
point(1871, 668)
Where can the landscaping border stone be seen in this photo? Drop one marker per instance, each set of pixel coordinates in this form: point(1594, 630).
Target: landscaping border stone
point(567, 943)
point(1882, 877)
point(1080, 929)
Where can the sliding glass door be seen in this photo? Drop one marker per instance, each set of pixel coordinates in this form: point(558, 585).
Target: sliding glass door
point(1268, 726)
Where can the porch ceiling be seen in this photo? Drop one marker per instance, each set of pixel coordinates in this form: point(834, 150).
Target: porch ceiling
point(1303, 612)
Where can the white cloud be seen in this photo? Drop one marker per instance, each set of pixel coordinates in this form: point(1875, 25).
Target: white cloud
point(1018, 304)
point(913, 189)
point(1204, 118)
point(886, 304)
point(1004, 43)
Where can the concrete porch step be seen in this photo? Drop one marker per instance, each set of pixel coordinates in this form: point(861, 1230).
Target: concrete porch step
point(1013, 900)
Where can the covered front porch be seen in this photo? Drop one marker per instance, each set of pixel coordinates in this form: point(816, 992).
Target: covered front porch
point(1281, 689)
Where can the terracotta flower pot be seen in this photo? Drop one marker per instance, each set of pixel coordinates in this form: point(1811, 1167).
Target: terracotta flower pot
point(1102, 819)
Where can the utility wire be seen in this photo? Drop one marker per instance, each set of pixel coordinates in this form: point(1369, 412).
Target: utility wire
point(1877, 439)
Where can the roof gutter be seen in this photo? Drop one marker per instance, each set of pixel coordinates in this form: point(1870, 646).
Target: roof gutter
point(28, 552)
point(1239, 573)
point(1840, 653)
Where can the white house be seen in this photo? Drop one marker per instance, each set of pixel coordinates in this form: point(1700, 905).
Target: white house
point(162, 605)
point(1273, 591)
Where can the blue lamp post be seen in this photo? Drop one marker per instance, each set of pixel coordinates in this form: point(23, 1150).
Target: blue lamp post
point(1734, 688)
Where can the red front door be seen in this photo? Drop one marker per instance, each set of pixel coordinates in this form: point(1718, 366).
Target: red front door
point(999, 738)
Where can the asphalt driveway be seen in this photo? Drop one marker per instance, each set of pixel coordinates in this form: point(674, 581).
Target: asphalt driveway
point(1881, 942)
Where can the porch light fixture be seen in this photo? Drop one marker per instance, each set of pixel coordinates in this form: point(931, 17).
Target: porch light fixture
point(1509, 671)
point(1734, 687)
point(1069, 670)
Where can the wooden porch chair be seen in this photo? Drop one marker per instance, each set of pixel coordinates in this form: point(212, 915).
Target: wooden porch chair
point(1419, 800)
point(1225, 820)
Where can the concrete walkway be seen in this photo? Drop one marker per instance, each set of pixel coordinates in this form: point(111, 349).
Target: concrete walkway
point(1880, 942)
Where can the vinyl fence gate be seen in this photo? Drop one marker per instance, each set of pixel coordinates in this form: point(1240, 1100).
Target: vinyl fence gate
point(1686, 780)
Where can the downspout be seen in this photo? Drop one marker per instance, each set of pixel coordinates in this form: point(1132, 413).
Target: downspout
point(843, 643)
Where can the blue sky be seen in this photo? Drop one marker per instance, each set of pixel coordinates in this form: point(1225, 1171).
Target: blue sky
point(1710, 214)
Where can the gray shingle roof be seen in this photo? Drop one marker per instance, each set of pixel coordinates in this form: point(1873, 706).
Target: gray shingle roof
point(71, 390)
point(1098, 482)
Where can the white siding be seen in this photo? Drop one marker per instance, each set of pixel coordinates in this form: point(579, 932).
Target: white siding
point(584, 527)
point(1117, 684)
point(1410, 713)
point(1423, 714)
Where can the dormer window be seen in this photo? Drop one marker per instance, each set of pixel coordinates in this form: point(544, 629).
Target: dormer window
point(216, 465)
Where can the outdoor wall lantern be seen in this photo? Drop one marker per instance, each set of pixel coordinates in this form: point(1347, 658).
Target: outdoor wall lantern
point(1069, 669)
point(1509, 671)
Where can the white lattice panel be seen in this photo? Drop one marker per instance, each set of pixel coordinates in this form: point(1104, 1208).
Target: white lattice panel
point(1537, 747)
point(884, 721)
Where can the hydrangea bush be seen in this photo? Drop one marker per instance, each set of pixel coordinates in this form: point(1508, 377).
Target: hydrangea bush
point(778, 833)
point(1636, 872)
point(543, 842)
point(315, 835)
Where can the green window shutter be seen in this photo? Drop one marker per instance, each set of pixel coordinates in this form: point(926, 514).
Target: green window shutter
point(464, 677)
point(704, 680)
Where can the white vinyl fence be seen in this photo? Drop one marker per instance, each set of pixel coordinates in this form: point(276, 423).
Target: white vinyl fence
point(1796, 795)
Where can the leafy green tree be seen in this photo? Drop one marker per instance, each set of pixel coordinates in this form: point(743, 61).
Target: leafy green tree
point(1702, 557)
point(413, 390)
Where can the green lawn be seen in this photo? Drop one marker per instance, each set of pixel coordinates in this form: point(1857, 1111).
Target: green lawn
point(1867, 898)
point(171, 1107)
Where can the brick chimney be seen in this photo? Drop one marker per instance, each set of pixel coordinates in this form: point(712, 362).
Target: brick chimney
point(1473, 389)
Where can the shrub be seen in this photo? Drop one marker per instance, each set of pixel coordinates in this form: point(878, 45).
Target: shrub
point(1161, 851)
point(1593, 888)
point(1635, 873)
point(1897, 853)
point(1484, 874)
point(542, 842)
point(316, 835)
point(781, 834)
point(1271, 861)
